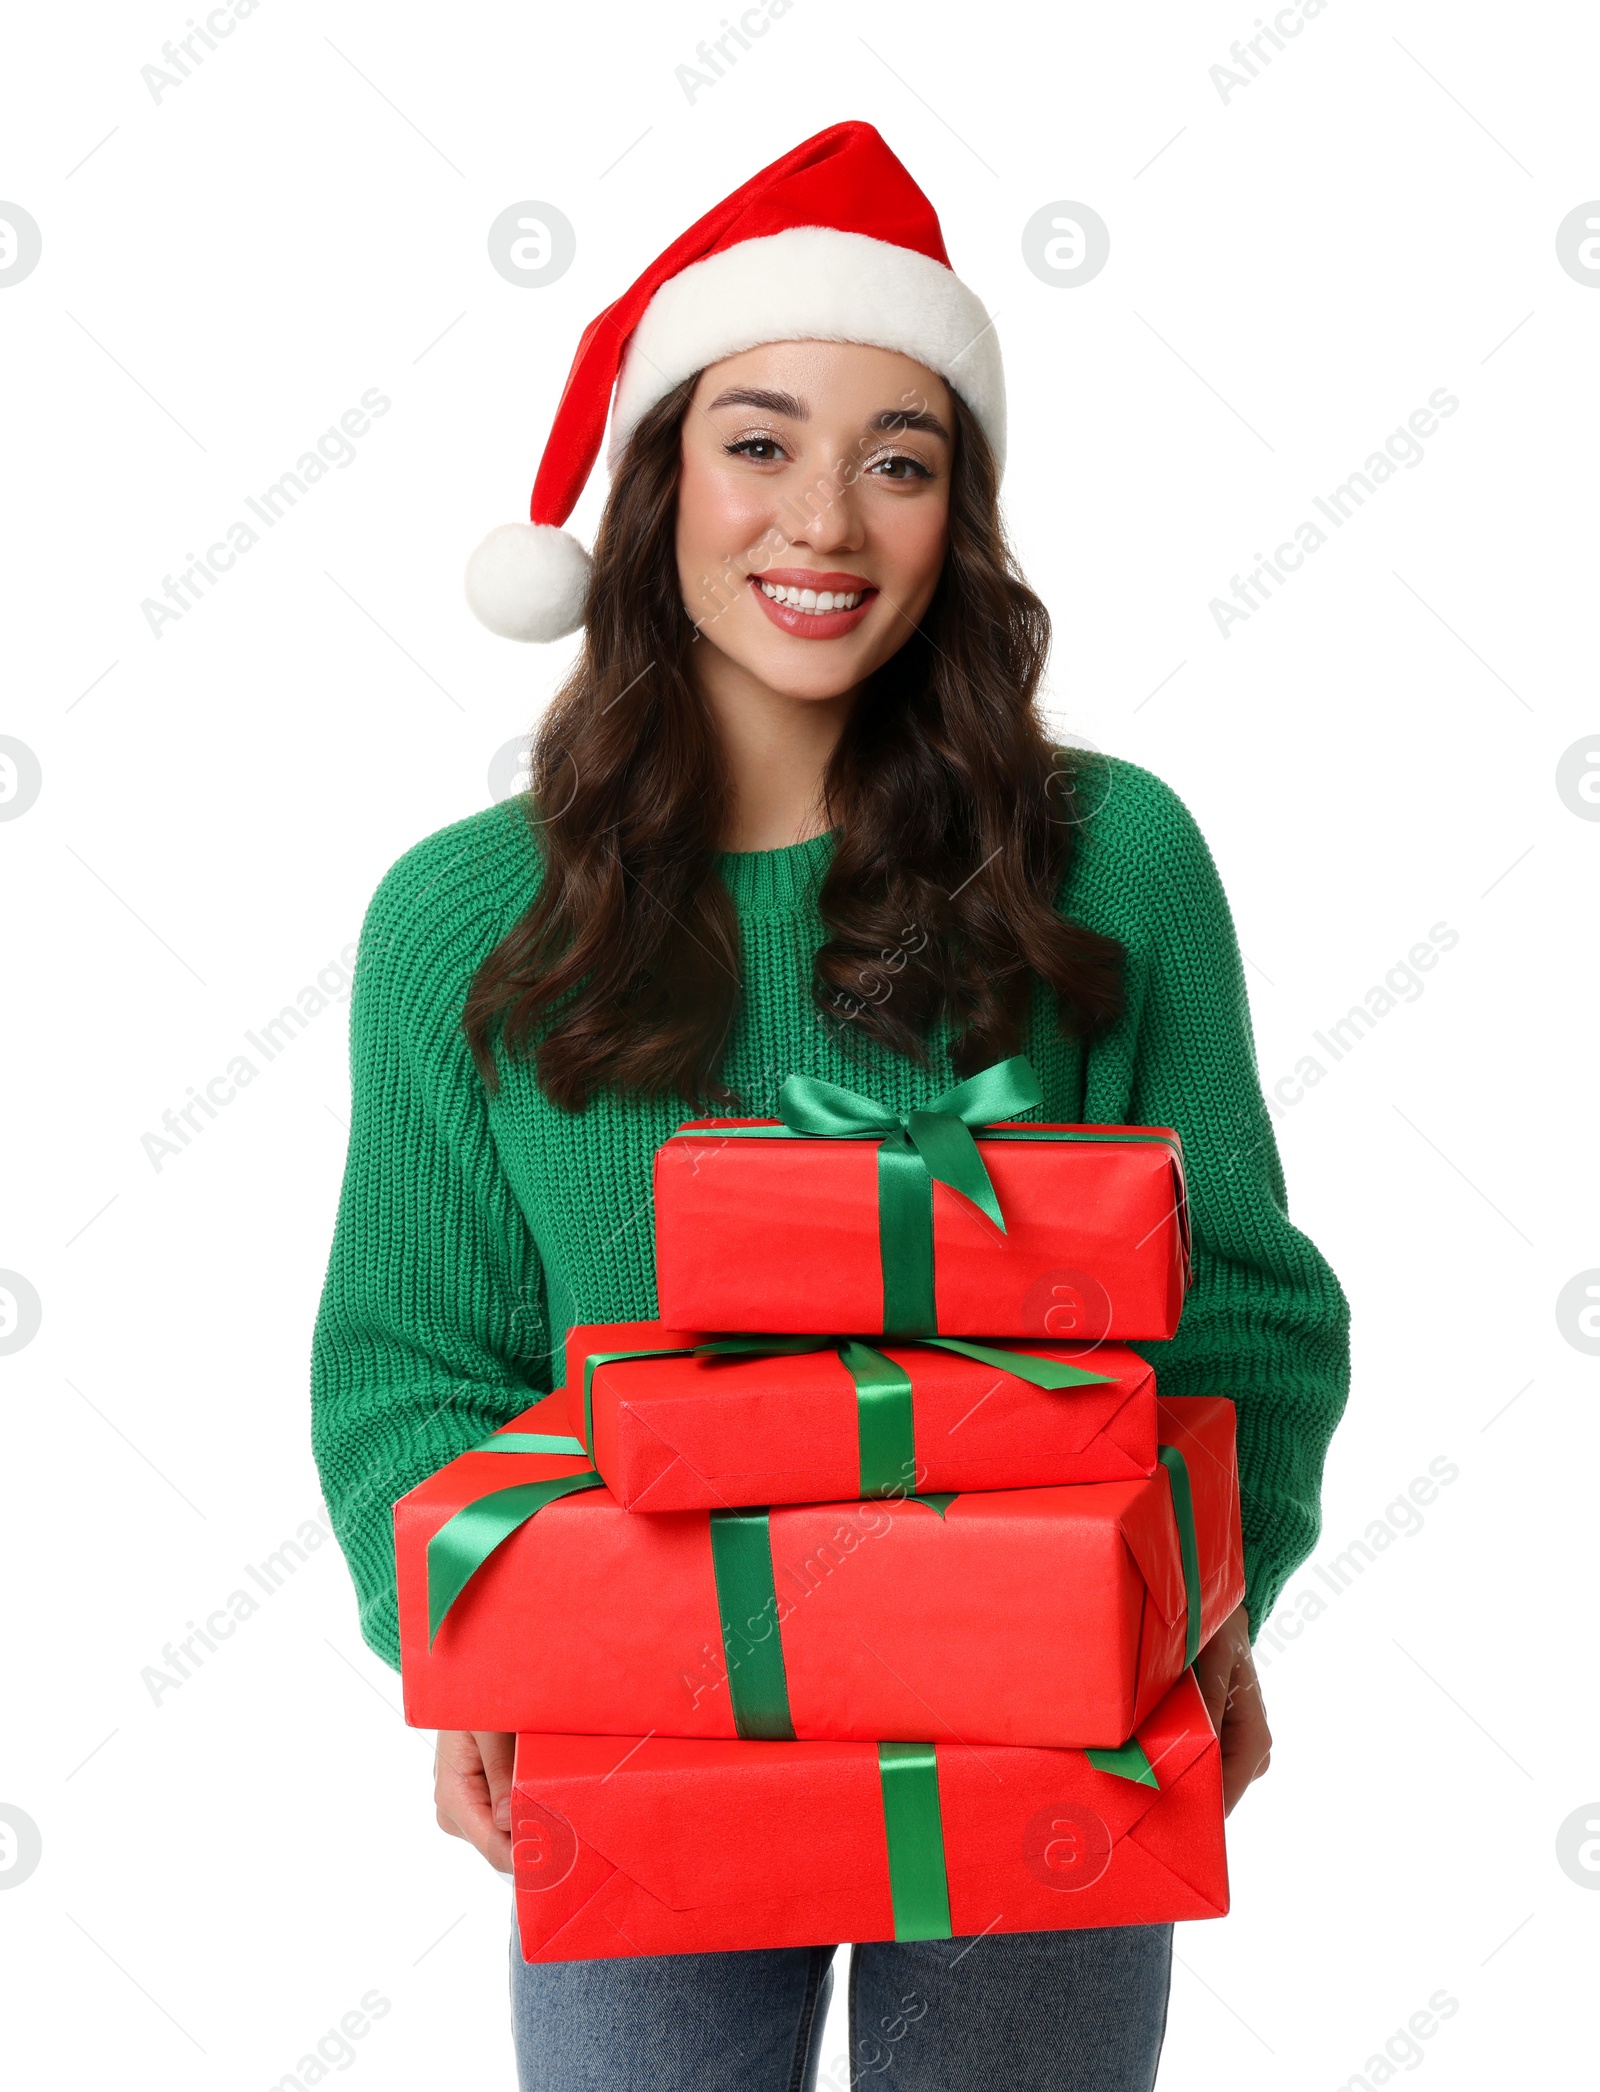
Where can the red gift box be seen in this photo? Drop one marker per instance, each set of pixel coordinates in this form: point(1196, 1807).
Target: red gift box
point(1023, 1616)
point(783, 1233)
point(680, 1432)
point(660, 1846)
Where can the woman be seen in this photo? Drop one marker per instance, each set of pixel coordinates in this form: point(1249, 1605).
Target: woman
point(792, 809)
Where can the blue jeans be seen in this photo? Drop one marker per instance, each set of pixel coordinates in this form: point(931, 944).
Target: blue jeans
point(1077, 2011)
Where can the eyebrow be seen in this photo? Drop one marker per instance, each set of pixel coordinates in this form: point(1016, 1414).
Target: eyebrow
point(892, 418)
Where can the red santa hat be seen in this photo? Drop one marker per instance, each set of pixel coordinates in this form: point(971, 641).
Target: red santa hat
point(833, 242)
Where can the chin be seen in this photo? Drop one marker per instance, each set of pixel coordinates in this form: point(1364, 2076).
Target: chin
point(799, 669)
point(802, 680)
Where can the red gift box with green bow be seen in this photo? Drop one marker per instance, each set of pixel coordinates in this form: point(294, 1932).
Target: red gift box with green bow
point(954, 1219)
point(680, 1421)
point(653, 1845)
point(530, 1599)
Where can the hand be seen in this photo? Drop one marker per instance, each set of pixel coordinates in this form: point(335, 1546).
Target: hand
point(1225, 1671)
point(472, 1790)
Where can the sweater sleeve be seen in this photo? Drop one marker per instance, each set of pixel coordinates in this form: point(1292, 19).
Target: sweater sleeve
point(1266, 1321)
point(432, 1328)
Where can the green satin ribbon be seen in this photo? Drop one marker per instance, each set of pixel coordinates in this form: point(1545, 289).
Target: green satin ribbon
point(919, 1883)
point(1188, 1544)
point(885, 1422)
point(531, 1442)
point(1128, 1762)
point(747, 1605)
point(461, 1546)
point(886, 1435)
point(919, 1887)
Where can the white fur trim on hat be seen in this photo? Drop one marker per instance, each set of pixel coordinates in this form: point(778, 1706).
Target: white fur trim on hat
point(528, 581)
point(812, 283)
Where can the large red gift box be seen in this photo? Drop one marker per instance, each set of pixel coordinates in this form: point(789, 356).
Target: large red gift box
point(659, 1846)
point(671, 1430)
point(755, 1230)
point(1026, 1616)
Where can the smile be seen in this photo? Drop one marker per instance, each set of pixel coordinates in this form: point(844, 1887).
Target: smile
point(810, 613)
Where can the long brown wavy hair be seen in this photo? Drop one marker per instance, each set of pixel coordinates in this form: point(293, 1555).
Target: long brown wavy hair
point(954, 822)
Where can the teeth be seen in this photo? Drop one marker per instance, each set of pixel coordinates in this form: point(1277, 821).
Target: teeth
point(808, 599)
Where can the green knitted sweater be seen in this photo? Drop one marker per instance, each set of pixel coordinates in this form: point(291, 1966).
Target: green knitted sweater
point(472, 1233)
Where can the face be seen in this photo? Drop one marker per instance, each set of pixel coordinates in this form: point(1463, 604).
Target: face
point(813, 511)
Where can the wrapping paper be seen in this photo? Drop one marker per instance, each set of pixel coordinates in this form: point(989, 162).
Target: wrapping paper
point(660, 1846)
point(682, 1433)
point(1028, 1616)
point(768, 1232)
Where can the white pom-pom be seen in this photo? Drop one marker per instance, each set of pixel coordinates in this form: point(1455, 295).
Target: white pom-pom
point(528, 581)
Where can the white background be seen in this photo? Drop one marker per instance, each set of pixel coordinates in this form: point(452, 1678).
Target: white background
point(1293, 269)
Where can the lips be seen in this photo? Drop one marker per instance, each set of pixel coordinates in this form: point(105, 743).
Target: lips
point(813, 624)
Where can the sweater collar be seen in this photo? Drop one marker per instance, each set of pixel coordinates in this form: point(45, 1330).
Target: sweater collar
point(777, 882)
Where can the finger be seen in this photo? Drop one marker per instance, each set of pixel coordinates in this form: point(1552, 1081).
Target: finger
point(478, 1827)
point(497, 1753)
point(1214, 1691)
point(1246, 1754)
point(456, 1760)
point(1213, 1673)
point(1238, 1775)
point(464, 1807)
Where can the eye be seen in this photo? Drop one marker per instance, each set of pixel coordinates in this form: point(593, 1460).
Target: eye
point(917, 470)
point(749, 446)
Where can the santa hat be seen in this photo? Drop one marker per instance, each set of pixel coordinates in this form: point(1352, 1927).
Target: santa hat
point(833, 242)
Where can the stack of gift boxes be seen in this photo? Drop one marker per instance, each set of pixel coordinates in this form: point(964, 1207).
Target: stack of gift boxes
point(855, 1599)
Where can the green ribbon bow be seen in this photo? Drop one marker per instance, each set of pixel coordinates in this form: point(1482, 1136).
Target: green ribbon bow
point(917, 1148)
point(935, 1141)
point(885, 1420)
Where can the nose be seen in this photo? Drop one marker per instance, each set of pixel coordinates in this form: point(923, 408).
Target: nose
point(825, 515)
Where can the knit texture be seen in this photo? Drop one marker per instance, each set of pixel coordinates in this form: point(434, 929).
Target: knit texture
point(472, 1233)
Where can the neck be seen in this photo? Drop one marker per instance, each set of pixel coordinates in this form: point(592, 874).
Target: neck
point(776, 750)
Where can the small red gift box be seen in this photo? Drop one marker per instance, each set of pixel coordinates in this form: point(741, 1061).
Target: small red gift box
point(677, 1421)
point(759, 1229)
point(659, 1846)
point(1026, 1616)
